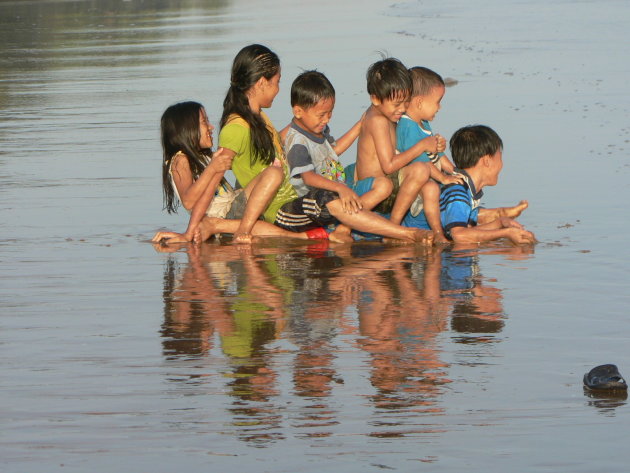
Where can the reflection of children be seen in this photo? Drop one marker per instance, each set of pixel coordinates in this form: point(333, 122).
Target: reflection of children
point(192, 175)
point(428, 90)
point(389, 85)
point(477, 152)
point(249, 136)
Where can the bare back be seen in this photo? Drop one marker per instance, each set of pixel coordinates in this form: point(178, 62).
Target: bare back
point(376, 145)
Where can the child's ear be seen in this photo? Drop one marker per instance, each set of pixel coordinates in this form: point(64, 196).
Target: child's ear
point(375, 101)
point(417, 101)
point(261, 83)
point(297, 111)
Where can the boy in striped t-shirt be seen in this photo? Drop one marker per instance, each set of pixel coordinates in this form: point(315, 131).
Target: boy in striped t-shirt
point(478, 154)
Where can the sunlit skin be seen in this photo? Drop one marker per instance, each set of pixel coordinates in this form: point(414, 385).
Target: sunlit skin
point(205, 130)
point(315, 118)
point(377, 155)
point(424, 108)
point(495, 223)
point(196, 196)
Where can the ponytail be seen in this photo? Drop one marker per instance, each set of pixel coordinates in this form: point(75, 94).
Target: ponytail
point(250, 64)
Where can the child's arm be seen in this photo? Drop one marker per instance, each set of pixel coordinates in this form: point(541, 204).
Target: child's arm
point(211, 180)
point(191, 190)
point(379, 128)
point(350, 201)
point(445, 179)
point(197, 214)
point(447, 165)
point(283, 132)
point(500, 228)
point(346, 140)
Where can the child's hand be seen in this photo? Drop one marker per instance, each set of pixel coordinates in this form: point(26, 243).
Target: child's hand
point(507, 222)
point(441, 143)
point(221, 161)
point(521, 236)
point(170, 237)
point(452, 179)
point(350, 201)
point(431, 144)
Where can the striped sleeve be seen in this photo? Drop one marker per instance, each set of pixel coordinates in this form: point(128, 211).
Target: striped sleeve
point(455, 207)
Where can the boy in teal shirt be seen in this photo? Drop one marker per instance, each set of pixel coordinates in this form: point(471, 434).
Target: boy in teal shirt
point(414, 126)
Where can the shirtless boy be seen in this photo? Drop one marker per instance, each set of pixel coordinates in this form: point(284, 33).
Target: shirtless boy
point(390, 86)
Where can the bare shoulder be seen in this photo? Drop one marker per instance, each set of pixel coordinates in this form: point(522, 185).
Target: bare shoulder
point(373, 120)
point(180, 165)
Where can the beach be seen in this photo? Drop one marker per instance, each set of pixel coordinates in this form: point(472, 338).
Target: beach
point(290, 356)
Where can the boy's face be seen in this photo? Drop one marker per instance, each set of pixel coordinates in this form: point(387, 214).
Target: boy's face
point(494, 168)
point(392, 108)
point(314, 119)
point(428, 105)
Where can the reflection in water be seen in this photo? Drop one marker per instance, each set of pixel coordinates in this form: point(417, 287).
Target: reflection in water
point(477, 309)
point(606, 402)
point(392, 302)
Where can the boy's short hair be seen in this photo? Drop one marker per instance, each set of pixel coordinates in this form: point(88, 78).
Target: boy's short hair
point(470, 143)
point(388, 78)
point(424, 80)
point(309, 88)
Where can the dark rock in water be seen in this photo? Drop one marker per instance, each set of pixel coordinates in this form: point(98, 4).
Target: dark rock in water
point(450, 82)
point(605, 377)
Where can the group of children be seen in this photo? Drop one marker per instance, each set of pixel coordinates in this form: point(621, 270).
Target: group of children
point(291, 183)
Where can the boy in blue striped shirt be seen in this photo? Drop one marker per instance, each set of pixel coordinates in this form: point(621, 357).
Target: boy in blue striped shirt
point(478, 155)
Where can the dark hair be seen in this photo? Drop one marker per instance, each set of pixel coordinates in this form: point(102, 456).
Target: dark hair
point(388, 78)
point(424, 80)
point(250, 64)
point(179, 129)
point(309, 88)
point(470, 143)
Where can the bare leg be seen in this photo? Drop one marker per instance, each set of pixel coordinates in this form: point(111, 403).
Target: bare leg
point(341, 234)
point(370, 222)
point(260, 191)
point(381, 190)
point(414, 176)
point(431, 200)
point(210, 226)
point(513, 212)
point(488, 215)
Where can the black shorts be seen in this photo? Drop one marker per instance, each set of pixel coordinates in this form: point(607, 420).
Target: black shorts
point(307, 212)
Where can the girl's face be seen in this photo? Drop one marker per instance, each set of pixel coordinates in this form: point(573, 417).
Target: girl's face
point(205, 130)
point(269, 90)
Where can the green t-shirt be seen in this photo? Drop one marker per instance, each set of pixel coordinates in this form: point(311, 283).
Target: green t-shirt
point(235, 136)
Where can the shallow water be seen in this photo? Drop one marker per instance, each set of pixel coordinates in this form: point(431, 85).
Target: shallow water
point(305, 357)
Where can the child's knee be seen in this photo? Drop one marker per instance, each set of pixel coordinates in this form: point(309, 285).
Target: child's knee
point(273, 174)
point(382, 186)
point(417, 172)
point(431, 190)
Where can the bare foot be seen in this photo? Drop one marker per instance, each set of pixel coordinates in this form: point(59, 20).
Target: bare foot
point(439, 239)
point(197, 237)
point(423, 237)
point(243, 238)
point(513, 212)
point(341, 234)
point(206, 229)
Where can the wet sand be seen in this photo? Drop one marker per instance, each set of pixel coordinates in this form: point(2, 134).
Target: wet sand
point(304, 357)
